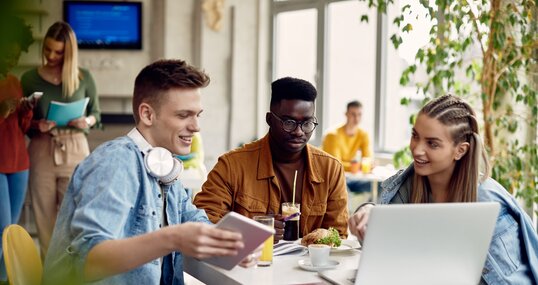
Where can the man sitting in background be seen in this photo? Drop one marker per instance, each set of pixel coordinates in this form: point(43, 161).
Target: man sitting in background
point(258, 177)
point(350, 144)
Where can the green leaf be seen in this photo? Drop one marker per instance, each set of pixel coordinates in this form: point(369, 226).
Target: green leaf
point(412, 119)
point(407, 28)
point(364, 18)
point(398, 20)
point(420, 55)
point(396, 41)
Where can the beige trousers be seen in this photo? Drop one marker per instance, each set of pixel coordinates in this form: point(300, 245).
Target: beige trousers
point(53, 159)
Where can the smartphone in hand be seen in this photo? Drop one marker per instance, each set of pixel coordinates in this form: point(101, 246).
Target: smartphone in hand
point(35, 96)
point(29, 102)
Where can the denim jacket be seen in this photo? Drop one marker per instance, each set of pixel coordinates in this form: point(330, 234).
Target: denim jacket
point(513, 252)
point(111, 196)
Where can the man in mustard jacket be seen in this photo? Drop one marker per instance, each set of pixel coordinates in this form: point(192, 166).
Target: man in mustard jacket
point(258, 177)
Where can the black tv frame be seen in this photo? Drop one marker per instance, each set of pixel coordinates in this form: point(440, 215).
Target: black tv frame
point(117, 46)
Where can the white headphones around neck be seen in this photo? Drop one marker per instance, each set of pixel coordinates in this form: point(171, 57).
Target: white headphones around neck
point(159, 162)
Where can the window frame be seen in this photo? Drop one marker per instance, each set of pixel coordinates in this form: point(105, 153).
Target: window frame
point(321, 64)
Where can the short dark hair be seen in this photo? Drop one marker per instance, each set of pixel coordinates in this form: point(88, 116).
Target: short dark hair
point(354, 104)
point(289, 88)
point(164, 75)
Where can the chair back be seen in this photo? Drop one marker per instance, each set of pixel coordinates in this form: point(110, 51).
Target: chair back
point(21, 257)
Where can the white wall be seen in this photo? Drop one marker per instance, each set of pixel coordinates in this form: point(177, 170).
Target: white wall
point(175, 29)
point(230, 57)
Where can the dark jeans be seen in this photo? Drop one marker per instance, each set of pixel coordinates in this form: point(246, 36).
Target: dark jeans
point(358, 186)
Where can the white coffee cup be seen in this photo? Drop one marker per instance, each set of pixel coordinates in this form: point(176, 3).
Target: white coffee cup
point(319, 254)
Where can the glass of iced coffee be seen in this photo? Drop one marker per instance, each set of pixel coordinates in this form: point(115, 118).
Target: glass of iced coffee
point(291, 227)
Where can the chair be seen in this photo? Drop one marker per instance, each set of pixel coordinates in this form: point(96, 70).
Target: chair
point(21, 257)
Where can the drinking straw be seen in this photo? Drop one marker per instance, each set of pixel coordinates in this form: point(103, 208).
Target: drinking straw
point(294, 183)
point(296, 214)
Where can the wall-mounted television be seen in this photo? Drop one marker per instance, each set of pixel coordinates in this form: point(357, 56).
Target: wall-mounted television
point(105, 24)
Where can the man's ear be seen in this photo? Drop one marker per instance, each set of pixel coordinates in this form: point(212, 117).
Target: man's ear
point(461, 150)
point(147, 114)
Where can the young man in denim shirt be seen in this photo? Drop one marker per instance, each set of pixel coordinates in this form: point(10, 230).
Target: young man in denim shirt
point(124, 222)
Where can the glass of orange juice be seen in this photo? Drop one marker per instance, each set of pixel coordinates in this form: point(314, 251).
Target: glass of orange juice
point(366, 165)
point(266, 258)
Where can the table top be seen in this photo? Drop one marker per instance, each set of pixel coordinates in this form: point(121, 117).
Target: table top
point(284, 270)
point(379, 173)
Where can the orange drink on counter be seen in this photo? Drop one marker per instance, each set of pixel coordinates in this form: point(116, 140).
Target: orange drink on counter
point(266, 258)
point(355, 166)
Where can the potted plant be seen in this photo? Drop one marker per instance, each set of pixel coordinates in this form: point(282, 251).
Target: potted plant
point(501, 79)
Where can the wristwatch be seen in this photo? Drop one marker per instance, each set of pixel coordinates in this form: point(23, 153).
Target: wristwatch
point(88, 121)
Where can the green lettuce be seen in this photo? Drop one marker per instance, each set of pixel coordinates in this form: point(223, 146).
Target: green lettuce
point(333, 239)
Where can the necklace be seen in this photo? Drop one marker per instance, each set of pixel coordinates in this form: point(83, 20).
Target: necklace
point(52, 75)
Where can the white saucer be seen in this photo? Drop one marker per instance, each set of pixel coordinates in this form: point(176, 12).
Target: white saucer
point(346, 246)
point(306, 265)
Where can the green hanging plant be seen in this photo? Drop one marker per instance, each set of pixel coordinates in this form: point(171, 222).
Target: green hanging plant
point(501, 81)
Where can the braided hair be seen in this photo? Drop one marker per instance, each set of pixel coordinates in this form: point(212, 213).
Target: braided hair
point(456, 114)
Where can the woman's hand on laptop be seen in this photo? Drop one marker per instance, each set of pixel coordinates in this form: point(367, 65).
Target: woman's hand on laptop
point(358, 222)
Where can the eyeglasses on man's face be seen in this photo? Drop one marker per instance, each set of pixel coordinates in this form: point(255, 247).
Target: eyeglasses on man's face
point(290, 125)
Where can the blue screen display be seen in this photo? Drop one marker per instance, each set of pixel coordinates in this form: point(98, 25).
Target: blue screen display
point(105, 25)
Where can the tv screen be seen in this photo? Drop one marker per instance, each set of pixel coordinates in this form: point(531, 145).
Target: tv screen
point(105, 25)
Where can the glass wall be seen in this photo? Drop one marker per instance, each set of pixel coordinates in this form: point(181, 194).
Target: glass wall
point(295, 44)
point(325, 42)
point(350, 63)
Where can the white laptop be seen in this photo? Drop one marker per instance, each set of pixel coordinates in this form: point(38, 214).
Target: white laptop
point(423, 244)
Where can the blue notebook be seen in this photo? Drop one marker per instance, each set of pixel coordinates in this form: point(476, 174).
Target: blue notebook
point(62, 113)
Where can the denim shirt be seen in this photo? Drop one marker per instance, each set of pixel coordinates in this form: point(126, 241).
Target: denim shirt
point(111, 196)
point(513, 252)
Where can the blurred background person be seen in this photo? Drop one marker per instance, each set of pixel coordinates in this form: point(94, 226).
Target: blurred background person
point(350, 144)
point(56, 151)
point(15, 117)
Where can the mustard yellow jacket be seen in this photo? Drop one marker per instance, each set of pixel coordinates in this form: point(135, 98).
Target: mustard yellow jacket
point(243, 181)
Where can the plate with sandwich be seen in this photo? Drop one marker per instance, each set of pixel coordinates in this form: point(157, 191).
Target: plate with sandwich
point(330, 237)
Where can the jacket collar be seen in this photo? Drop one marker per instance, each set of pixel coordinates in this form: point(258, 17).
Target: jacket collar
point(392, 184)
point(265, 162)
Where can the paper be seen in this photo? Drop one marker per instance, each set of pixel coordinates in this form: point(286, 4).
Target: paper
point(289, 248)
point(62, 113)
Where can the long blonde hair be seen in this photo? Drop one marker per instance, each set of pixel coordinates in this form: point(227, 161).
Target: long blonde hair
point(62, 32)
point(458, 115)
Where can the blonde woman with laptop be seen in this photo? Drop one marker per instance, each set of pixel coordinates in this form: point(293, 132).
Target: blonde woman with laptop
point(447, 151)
point(54, 150)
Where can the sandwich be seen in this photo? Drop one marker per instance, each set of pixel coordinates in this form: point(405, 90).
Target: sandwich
point(322, 236)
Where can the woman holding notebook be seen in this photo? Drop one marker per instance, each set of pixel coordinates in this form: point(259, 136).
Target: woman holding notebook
point(55, 148)
point(448, 152)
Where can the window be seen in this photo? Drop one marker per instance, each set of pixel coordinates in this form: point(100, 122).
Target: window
point(396, 131)
point(350, 64)
point(295, 44)
point(324, 42)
